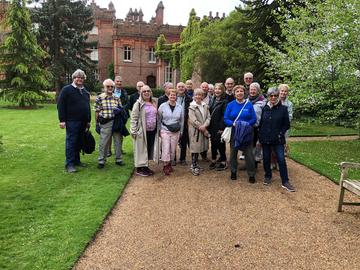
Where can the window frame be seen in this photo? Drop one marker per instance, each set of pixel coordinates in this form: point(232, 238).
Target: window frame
point(127, 53)
point(151, 56)
point(168, 76)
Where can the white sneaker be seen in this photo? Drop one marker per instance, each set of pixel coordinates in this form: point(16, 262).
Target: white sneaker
point(242, 157)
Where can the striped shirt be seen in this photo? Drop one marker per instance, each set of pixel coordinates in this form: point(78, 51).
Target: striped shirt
point(105, 105)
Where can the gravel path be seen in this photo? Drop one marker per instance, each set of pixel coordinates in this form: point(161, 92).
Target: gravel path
point(211, 222)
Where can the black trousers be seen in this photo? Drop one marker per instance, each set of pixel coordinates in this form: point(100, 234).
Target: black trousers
point(217, 145)
point(150, 138)
point(184, 143)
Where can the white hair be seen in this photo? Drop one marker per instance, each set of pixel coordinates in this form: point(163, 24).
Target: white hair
point(78, 73)
point(256, 85)
point(108, 81)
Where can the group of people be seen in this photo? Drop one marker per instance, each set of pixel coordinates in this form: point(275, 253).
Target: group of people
point(183, 118)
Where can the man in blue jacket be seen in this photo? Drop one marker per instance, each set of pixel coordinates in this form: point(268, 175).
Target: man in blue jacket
point(74, 116)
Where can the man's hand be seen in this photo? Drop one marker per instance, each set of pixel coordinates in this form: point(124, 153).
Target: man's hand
point(116, 110)
point(62, 125)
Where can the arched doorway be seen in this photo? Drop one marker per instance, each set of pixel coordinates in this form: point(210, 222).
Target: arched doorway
point(151, 81)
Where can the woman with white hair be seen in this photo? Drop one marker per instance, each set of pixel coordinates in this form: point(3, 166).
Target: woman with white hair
point(283, 95)
point(258, 101)
point(211, 90)
point(199, 120)
point(273, 125)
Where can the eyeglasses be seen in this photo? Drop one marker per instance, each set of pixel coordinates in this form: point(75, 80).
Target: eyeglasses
point(248, 78)
point(146, 91)
point(273, 95)
point(109, 86)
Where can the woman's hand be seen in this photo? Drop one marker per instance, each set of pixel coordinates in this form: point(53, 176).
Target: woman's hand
point(202, 128)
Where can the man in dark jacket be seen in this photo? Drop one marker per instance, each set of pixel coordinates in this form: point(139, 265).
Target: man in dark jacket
point(74, 115)
point(229, 85)
point(189, 88)
point(121, 93)
point(134, 97)
point(248, 79)
point(167, 86)
point(184, 100)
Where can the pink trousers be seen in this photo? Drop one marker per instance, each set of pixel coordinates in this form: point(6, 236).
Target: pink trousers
point(169, 141)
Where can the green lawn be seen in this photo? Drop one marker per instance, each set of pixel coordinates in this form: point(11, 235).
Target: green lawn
point(312, 128)
point(325, 156)
point(47, 216)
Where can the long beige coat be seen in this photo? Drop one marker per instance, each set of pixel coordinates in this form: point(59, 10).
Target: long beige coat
point(138, 128)
point(198, 142)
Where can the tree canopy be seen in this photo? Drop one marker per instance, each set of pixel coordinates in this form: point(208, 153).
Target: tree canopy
point(21, 59)
point(320, 59)
point(62, 31)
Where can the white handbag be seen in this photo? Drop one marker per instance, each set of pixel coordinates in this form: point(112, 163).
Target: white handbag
point(226, 135)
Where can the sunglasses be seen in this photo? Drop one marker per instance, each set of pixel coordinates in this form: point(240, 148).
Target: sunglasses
point(109, 86)
point(146, 91)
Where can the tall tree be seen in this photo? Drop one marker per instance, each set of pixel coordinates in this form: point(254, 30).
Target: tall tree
point(63, 26)
point(21, 59)
point(261, 25)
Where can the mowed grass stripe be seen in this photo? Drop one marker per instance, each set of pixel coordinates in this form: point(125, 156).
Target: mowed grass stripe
point(47, 215)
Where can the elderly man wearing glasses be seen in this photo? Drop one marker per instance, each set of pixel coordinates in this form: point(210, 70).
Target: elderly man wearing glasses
point(272, 129)
point(248, 79)
point(106, 107)
point(74, 115)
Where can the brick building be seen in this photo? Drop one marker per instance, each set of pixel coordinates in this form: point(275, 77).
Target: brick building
point(3, 8)
point(3, 31)
point(129, 44)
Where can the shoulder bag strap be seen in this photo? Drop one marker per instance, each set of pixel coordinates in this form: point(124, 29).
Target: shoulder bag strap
point(241, 110)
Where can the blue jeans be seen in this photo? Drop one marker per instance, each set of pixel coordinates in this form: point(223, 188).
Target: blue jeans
point(280, 156)
point(75, 131)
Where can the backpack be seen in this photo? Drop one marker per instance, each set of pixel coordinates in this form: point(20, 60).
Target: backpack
point(88, 145)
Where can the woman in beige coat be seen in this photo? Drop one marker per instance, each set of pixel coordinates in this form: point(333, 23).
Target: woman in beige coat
point(199, 120)
point(143, 129)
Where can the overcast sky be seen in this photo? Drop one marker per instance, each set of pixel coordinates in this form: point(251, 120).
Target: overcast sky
point(176, 11)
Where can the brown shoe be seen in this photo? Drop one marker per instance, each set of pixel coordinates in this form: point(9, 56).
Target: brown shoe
point(166, 170)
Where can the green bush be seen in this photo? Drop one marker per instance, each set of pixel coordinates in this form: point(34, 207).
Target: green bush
point(157, 92)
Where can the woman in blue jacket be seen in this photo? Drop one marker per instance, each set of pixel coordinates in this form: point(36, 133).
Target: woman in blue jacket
point(247, 115)
point(272, 129)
